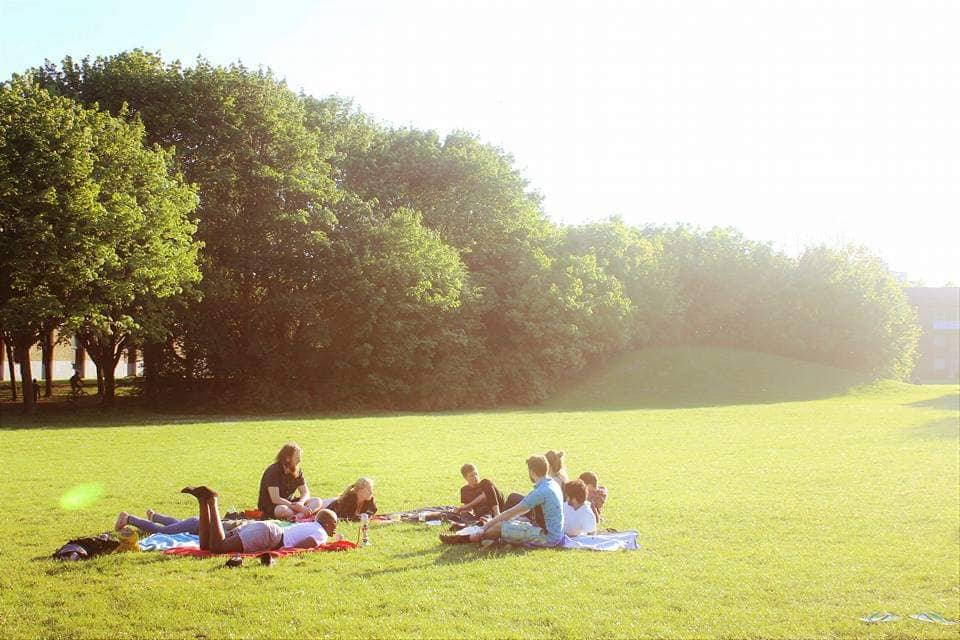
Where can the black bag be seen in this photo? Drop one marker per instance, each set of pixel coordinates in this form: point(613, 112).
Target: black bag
point(86, 548)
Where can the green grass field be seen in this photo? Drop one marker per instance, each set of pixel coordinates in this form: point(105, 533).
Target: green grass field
point(773, 499)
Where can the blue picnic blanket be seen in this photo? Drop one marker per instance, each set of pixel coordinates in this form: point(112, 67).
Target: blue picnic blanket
point(619, 541)
point(164, 541)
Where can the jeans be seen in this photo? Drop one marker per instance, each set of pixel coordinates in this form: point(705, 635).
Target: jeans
point(166, 524)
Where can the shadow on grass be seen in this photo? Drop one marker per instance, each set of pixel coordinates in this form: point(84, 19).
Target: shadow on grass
point(942, 429)
point(946, 402)
point(450, 554)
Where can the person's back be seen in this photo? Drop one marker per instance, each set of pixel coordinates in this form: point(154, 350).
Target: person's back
point(546, 494)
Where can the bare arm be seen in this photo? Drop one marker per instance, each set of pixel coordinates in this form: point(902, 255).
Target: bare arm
point(308, 543)
point(471, 504)
point(304, 492)
point(275, 496)
point(510, 513)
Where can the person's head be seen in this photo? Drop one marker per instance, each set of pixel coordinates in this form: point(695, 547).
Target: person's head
point(363, 488)
point(555, 459)
point(328, 520)
point(470, 474)
point(575, 492)
point(537, 467)
point(289, 457)
point(590, 479)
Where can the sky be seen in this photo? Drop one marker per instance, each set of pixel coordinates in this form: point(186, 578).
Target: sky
point(798, 122)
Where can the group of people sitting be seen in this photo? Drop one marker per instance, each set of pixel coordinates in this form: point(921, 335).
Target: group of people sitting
point(284, 495)
point(556, 506)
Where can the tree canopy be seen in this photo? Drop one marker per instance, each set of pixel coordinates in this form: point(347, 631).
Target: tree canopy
point(349, 263)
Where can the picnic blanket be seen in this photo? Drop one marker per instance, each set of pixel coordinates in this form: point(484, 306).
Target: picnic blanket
point(188, 544)
point(196, 552)
point(609, 541)
point(164, 541)
point(612, 541)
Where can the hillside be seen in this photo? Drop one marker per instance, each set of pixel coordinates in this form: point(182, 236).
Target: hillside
point(701, 377)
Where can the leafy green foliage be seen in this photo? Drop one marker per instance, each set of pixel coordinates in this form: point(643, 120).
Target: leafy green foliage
point(94, 222)
point(346, 263)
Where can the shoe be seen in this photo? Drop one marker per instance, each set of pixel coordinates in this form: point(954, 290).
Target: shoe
point(452, 538)
point(267, 559)
point(121, 520)
point(234, 561)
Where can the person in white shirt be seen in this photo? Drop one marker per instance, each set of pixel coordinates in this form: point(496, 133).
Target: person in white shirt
point(255, 537)
point(578, 518)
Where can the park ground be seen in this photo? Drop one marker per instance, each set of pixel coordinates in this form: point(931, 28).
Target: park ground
point(773, 498)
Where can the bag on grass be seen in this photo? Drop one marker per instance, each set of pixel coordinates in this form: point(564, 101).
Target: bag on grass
point(86, 548)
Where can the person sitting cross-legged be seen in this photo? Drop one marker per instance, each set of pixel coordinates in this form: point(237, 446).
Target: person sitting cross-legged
point(479, 497)
point(259, 536)
point(546, 494)
point(280, 482)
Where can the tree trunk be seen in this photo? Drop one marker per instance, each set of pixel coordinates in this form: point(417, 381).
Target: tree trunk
point(13, 370)
point(47, 342)
point(152, 355)
point(99, 374)
point(109, 384)
point(23, 354)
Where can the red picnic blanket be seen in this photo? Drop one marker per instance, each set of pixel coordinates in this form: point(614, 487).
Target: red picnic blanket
point(341, 545)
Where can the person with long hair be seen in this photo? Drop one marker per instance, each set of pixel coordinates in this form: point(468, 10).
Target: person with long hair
point(283, 480)
point(357, 498)
point(558, 469)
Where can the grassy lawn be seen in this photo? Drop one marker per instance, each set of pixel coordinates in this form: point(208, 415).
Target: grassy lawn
point(773, 499)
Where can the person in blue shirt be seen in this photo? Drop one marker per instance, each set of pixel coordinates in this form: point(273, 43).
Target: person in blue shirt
point(547, 495)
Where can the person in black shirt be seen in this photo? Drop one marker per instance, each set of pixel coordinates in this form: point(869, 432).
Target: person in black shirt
point(355, 499)
point(280, 482)
point(481, 497)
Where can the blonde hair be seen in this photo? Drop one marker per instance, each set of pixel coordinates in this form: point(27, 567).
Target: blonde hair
point(356, 486)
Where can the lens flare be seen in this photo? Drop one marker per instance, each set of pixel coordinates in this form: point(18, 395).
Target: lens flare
point(81, 496)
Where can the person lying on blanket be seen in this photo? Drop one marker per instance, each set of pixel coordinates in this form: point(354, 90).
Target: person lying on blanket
point(280, 481)
point(546, 495)
point(255, 537)
point(480, 497)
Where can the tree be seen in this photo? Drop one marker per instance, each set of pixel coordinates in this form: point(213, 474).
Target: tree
point(265, 200)
point(85, 213)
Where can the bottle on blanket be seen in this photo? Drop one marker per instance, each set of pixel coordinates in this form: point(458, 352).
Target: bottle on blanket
point(364, 538)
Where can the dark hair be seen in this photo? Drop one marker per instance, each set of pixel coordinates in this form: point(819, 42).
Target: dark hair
point(589, 477)
point(286, 453)
point(538, 465)
point(328, 520)
point(467, 468)
point(555, 458)
point(576, 489)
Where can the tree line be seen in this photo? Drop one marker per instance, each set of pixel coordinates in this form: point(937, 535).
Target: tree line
point(280, 249)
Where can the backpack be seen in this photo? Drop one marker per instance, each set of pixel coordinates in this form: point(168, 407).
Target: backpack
point(86, 548)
